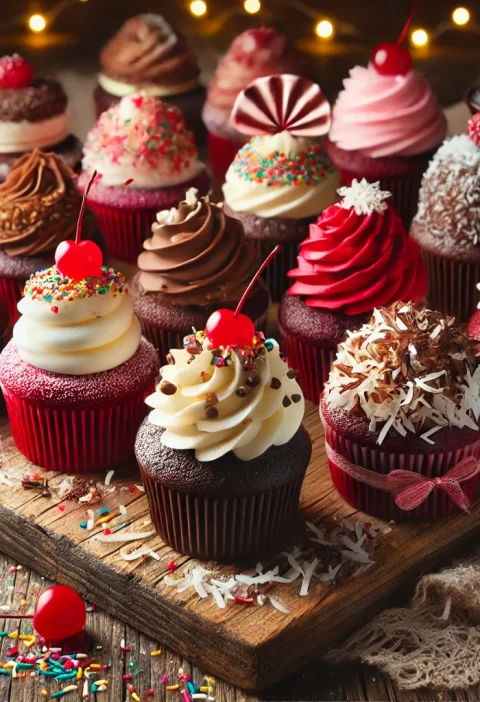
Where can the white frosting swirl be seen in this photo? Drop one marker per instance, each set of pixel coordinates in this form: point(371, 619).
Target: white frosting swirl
point(86, 335)
point(24, 135)
point(266, 200)
point(120, 89)
point(248, 426)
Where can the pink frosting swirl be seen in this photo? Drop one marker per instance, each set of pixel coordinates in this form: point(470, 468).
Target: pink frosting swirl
point(383, 115)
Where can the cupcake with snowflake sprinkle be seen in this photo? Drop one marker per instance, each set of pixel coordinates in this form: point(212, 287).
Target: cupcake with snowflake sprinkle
point(356, 257)
point(282, 179)
point(147, 160)
point(447, 224)
point(401, 412)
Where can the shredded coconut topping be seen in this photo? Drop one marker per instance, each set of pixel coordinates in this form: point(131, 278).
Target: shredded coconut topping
point(363, 197)
point(408, 369)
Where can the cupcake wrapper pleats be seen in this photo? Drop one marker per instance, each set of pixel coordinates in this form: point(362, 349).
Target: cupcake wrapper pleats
point(452, 285)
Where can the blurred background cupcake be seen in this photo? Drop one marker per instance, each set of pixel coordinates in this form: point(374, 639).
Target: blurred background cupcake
point(447, 224)
point(386, 126)
point(196, 261)
point(253, 54)
point(472, 98)
point(282, 179)
point(39, 207)
point(400, 412)
point(356, 257)
point(33, 115)
point(147, 160)
point(148, 55)
point(225, 444)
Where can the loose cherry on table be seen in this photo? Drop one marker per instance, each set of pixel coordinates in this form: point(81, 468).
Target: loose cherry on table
point(15, 72)
point(79, 259)
point(60, 613)
point(391, 59)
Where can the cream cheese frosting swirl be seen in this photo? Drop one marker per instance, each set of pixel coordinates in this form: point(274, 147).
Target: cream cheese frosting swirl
point(76, 327)
point(281, 175)
point(382, 115)
point(214, 409)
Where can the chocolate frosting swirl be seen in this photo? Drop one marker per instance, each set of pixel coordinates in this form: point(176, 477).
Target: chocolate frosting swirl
point(146, 51)
point(42, 99)
point(39, 205)
point(197, 255)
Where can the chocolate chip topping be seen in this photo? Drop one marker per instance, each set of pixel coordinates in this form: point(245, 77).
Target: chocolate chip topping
point(286, 401)
point(252, 379)
point(170, 359)
point(243, 391)
point(42, 99)
point(292, 374)
point(211, 413)
point(296, 398)
point(168, 388)
point(275, 384)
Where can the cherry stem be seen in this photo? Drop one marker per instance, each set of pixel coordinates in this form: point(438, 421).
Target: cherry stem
point(16, 616)
point(78, 234)
point(404, 33)
point(247, 292)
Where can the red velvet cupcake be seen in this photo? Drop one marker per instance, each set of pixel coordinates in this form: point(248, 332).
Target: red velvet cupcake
point(196, 261)
point(76, 374)
point(147, 160)
point(401, 410)
point(357, 257)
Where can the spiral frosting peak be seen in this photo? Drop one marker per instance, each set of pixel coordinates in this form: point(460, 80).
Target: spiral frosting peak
point(358, 256)
point(219, 401)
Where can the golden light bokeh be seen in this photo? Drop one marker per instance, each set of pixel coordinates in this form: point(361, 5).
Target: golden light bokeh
point(460, 15)
point(37, 23)
point(419, 37)
point(252, 6)
point(198, 8)
point(324, 29)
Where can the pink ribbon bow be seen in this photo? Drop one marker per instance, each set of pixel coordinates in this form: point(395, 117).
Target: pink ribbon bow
point(412, 489)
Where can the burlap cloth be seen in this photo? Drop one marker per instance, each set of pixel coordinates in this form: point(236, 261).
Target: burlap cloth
point(435, 642)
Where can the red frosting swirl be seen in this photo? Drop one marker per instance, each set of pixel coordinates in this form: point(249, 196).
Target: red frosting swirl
point(355, 262)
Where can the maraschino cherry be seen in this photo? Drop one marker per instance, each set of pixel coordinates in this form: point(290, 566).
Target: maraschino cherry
point(15, 72)
point(79, 259)
point(391, 59)
point(228, 328)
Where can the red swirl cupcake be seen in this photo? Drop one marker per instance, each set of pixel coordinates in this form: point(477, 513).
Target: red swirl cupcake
point(401, 412)
point(357, 257)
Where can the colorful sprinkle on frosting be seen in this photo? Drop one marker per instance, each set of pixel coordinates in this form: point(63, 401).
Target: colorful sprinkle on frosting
point(277, 168)
point(49, 285)
point(194, 344)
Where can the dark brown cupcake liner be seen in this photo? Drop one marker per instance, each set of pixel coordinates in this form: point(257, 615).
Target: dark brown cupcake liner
point(223, 529)
point(313, 364)
point(452, 285)
point(275, 274)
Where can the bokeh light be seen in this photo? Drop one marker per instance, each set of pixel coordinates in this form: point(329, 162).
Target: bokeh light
point(324, 29)
point(37, 23)
point(252, 6)
point(420, 37)
point(198, 8)
point(460, 15)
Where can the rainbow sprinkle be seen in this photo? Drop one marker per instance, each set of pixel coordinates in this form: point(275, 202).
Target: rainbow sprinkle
point(277, 168)
point(49, 285)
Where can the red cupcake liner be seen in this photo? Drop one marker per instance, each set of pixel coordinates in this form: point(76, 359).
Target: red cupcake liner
point(222, 529)
point(73, 440)
point(162, 339)
point(11, 292)
point(380, 503)
point(452, 285)
point(124, 230)
point(221, 153)
point(313, 364)
point(275, 274)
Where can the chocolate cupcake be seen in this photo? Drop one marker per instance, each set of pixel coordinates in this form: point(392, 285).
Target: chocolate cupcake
point(282, 179)
point(223, 453)
point(447, 224)
point(196, 261)
point(401, 415)
point(148, 55)
point(39, 207)
point(33, 115)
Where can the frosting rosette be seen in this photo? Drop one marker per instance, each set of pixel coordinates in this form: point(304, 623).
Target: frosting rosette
point(197, 255)
point(214, 401)
point(147, 54)
point(141, 142)
point(358, 255)
point(76, 327)
point(39, 205)
point(387, 115)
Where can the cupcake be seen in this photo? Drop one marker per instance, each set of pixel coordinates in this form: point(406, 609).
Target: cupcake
point(386, 126)
point(401, 411)
point(473, 98)
point(282, 179)
point(196, 260)
point(147, 55)
point(33, 115)
point(447, 224)
point(253, 54)
point(147, 160)
point(223, 453)
point(39, 207)
point(356, 257)
point(76, 373)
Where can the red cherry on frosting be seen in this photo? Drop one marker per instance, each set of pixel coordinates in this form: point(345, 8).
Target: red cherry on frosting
point(224, 329)
point(15, 72)
point(78, 261)
point(473, 328)
point(59, 614)
point(391, 60)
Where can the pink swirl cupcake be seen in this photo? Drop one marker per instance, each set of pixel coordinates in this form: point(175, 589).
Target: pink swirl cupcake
point(147, 160)
point(357, 257)
point(386, 125)
point(253, 54)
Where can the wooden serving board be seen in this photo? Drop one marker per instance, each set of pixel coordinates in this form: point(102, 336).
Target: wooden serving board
point(249, 646)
